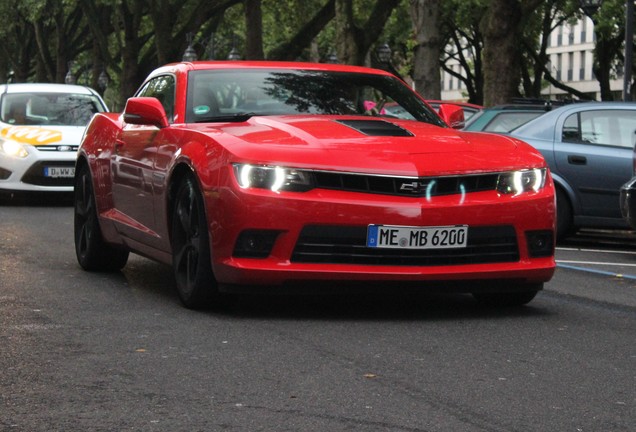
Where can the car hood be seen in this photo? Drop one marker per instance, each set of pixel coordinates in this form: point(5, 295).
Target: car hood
point(42, 135)
point(372, 145)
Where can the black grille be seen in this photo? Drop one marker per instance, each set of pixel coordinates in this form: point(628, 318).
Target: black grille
point(35, 174)
point(347, 245)
point(415, 187)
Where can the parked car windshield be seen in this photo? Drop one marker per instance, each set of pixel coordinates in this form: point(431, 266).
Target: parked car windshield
point(60, 109)
point(215, 95)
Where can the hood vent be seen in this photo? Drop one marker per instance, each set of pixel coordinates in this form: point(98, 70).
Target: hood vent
point(376, 128)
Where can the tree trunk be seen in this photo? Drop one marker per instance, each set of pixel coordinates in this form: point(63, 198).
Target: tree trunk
point(501, 51)
point(426, 68)
point(254, 30)
point(502, 28)
point(346, 34)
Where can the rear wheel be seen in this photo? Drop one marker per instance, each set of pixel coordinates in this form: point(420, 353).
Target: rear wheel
point(191, 248)
point(93, 254)
point(509, 299)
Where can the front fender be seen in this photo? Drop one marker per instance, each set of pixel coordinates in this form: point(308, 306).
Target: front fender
point(97, 148)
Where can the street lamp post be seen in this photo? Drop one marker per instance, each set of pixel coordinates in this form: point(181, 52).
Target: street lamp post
point(70, 78)
point(332, 57)
point(383, 52)
point(629, 50)
point(190, 54)
point(102, 81)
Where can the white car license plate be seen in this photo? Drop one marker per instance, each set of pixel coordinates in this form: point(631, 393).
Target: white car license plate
point(403, 237)
point(59, 171)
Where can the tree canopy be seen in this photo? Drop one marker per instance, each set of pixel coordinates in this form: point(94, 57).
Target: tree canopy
point(497, 43)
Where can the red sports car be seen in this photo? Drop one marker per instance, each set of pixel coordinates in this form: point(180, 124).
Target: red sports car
point(279, 175)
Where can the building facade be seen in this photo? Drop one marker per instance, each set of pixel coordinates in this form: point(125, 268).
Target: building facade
point(571, 51)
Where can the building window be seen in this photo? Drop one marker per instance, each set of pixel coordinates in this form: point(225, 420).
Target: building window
point(582, 69)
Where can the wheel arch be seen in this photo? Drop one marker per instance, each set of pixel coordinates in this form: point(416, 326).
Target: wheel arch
point(564, 186)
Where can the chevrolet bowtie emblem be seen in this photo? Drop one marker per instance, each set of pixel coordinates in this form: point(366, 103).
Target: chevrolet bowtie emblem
point(414, 187)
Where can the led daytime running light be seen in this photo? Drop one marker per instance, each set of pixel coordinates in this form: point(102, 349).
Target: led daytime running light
point(274, 178)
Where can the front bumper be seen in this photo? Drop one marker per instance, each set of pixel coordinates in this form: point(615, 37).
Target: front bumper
point(628, 202)
point(298, 258)
point(30, 173)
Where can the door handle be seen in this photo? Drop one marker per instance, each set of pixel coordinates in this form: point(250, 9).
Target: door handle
point(577, 160)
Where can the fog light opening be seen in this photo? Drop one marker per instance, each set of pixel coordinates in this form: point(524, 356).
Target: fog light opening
point(255, 243)
point(540, 243)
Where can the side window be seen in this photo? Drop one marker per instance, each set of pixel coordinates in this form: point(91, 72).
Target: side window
point(162, 88)
point(609, 127)
point(571, 130)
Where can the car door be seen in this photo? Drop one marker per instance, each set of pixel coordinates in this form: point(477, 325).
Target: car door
point(133, 165)
point(594, 154)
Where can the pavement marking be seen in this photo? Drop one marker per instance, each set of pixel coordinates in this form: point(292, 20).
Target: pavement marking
point(597, 250)
point(601, 272)
point(596, 263)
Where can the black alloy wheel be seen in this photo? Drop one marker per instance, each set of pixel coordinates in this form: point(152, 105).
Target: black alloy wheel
point(191, 248)
point(93, 254)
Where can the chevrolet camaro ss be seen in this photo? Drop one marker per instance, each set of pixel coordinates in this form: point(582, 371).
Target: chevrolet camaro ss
point(271, 175)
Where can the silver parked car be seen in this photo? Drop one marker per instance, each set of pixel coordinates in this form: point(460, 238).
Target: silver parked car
point(589, 149)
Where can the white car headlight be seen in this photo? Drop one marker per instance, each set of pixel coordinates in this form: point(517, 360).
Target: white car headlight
point(518, 182)
point(274, 178)
point(15, 149)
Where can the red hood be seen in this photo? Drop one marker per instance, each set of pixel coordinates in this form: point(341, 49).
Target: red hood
point(323, 142)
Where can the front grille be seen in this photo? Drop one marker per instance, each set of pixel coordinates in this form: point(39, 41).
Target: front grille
point(412, 186)
point(35, 174)
point(58, 147)
point(347, 245)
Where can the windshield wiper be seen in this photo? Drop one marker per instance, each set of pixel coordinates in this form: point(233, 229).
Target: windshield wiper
point(232, 118)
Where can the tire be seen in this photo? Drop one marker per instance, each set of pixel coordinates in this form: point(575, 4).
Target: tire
point(191, 263)
point(508, 299)
point(93, 254)
point(564, 224)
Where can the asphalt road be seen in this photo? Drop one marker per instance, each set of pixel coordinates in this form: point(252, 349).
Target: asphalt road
point(114, 352)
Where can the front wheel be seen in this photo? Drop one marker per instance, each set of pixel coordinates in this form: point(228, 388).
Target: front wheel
point(191, 248)
point(509, 299)
point(93, 254)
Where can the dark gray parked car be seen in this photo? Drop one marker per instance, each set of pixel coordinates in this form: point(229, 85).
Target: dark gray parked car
point(628, 197)
point(589, 149)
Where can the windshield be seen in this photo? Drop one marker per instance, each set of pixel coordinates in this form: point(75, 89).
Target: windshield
point(59, 109)
point(222, 94)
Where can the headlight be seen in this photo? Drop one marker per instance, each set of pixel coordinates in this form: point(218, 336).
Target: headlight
point(274, 178)
point(14, 149)
point(518, 182)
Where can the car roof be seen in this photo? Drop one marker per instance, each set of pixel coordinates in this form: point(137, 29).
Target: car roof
point(45, 87)
point(536, 128)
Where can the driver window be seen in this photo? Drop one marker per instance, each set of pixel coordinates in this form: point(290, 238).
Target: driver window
point(162, 88)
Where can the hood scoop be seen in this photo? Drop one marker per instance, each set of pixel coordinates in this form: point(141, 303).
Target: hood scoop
point(376, 128)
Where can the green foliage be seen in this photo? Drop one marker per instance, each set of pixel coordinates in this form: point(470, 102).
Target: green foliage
point(65, 30)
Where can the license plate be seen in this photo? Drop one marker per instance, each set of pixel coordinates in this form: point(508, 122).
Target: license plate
point(403, 237)
point(59, 171)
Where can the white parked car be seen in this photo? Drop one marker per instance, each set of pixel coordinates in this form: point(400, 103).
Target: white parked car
point(41, 126)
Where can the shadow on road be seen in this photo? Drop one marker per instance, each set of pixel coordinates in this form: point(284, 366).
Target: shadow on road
point(36, 199)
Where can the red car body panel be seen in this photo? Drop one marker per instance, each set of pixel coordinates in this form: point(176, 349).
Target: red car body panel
point(133, 165)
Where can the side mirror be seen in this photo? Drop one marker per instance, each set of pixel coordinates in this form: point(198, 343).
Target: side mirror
point(453, 115)
point(145, 111)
